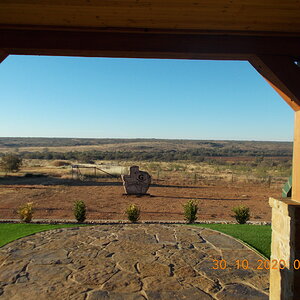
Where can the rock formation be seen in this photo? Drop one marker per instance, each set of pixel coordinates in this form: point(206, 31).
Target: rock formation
point(137, 183)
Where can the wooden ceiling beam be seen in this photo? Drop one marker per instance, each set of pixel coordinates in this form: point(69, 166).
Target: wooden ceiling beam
point(283, 74)
point(144, 45)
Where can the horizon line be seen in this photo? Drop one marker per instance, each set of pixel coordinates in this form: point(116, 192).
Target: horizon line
point(147, 138)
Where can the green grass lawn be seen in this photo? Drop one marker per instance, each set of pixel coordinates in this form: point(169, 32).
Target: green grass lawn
point(10, 232)
point(257, 236)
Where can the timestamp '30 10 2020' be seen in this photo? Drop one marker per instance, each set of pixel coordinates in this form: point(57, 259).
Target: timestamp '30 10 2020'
point(259, 264)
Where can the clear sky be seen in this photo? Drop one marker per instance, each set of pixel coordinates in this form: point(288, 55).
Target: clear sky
point(138, 98)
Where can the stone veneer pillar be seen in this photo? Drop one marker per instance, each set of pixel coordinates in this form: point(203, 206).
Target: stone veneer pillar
point(285, 283)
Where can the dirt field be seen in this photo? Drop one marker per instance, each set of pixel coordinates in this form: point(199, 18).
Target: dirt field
point(53, 199)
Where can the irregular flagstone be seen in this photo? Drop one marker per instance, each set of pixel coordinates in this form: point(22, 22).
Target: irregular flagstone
point(24, 245)
point(156, 283)
point(260, 281)
point(104, 295)
point(102, 241)
point(231, 256)
point(3, 257)
point(17, 254)
point(136, 235)
point(188, 238)
point(134, 246)
point(23, 291)
point(101, 261)
point(123, 282)
point(154, 269)
point(183, 272)
point(123, 251)
point(228, 275)
point(130, 262)
point(240, 292)
point(221, 241)
point(209, 286)
point(90, 276)
point(191, 257)
point(191, 293)
point(66, 291)
point(9, 271)
point(47, 273)
point(165, 235)
point(55, 256)
point(166, 253)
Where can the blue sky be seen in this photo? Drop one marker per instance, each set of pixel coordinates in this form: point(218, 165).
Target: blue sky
point(138, 98)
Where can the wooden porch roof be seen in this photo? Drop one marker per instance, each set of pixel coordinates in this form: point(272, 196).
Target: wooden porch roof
point(266, 33)
point(267, 17)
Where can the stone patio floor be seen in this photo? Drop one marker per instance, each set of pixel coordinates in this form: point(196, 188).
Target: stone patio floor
point(132, 262)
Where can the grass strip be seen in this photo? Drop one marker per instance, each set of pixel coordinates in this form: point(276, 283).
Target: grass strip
point(10, 232)
point(257, 236)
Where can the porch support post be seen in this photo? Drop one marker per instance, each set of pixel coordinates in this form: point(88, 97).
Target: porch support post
point(296, 158)
point(283, 75)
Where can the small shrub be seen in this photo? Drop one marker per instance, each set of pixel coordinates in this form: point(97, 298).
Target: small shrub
point(80, 211)
point(242, 214)
point(25, 212)
point(10, 163)
point(133, 213)
point(190, 211)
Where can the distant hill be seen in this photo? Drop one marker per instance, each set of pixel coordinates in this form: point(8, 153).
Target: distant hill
point(186, 149)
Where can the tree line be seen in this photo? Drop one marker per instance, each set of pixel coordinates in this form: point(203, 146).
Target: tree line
point(197, 155)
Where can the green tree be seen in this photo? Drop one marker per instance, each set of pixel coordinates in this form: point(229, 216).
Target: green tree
point(10, 162)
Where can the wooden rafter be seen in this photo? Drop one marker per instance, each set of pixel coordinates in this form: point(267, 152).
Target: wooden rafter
point(283, 75)
point(3, 55)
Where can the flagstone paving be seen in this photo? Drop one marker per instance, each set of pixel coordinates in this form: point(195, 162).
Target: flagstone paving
point(129, 262)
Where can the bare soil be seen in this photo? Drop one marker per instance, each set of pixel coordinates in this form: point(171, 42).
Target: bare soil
point(53, 199)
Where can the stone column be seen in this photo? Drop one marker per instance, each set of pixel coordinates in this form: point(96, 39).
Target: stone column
point(296, 158)
point(285, 283)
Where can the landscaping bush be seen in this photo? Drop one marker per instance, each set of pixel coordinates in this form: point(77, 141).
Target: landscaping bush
point(242, 214)
point(80, 211)
point(10, 162)
point(25, 212)
point(190, 211)
point(133, 213)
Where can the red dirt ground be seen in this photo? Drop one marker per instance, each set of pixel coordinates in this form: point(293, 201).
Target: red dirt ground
point(53, 199)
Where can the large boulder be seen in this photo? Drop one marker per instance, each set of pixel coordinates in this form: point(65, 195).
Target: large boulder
point(137, 183)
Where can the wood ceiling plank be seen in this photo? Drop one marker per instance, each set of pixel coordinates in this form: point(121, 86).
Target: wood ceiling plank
point(201, 15)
